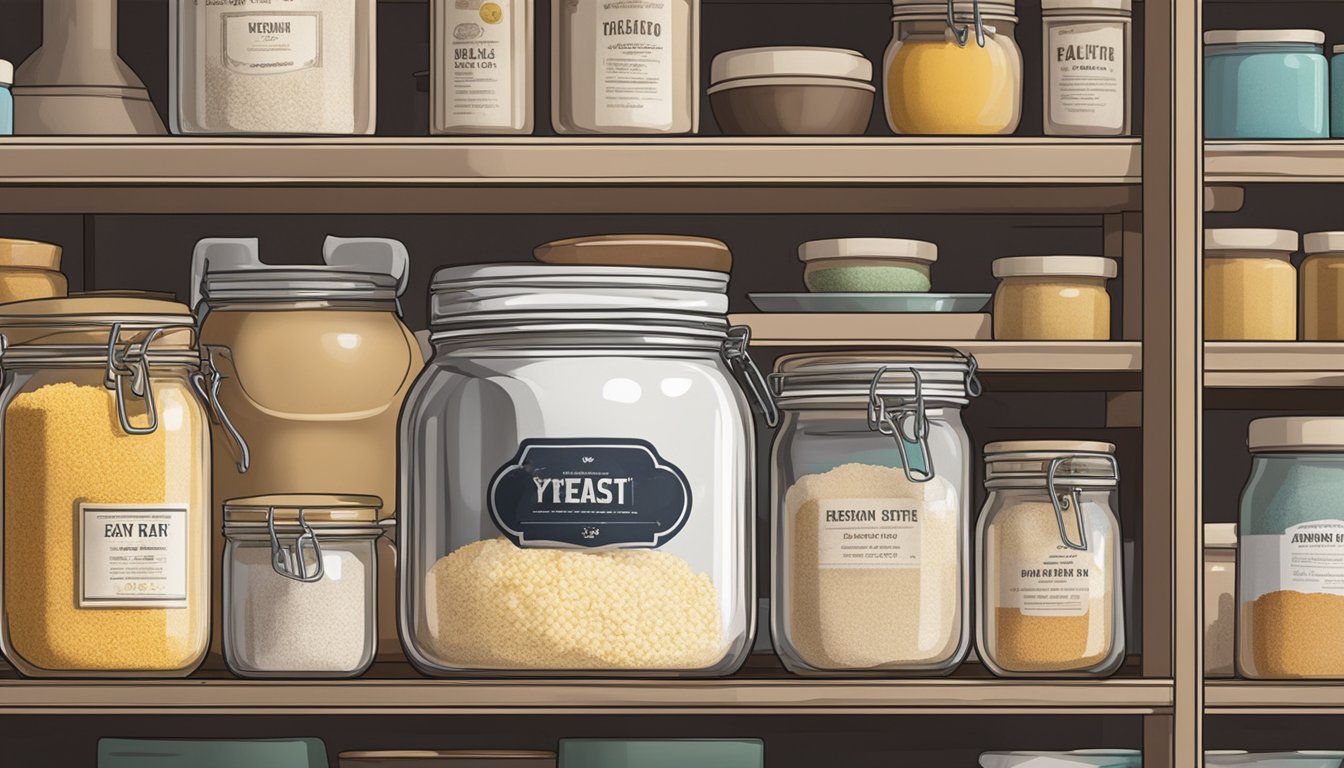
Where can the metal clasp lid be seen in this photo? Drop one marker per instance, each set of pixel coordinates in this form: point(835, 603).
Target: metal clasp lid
point(893, 423)
point(1073, 497)
point(131, 362)
point(210, 394)
point(963, 34)
point(738, 358)
point(290, 562)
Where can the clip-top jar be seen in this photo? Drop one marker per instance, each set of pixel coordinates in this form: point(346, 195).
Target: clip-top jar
point(106, 489)
point(577, 476)
point(1050, 595)
point(872, 512)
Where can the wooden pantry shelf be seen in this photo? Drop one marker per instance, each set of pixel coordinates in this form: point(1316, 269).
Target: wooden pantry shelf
point(1227, 162)
point(545, 175)
point(1260, 697)
point(616, 697)
point(1237, 364)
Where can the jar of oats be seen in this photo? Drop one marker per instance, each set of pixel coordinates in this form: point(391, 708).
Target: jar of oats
point(1053, 298)
point(1049, 598)
point(872, 512)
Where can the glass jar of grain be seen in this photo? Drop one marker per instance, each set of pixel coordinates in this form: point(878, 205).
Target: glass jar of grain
point(1250, 285)
point(871, 497)
point(1323, 283)
point(30, 270)
point(106, 509)
point(1220, 599)
point(1290, 593)
point(1050, 596)
point(1053, 298)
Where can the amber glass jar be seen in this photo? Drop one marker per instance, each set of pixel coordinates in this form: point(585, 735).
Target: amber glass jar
point(1053, 298)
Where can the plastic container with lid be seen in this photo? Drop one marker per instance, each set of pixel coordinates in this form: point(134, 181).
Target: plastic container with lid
point(1265, 84)
point(670, 251)
point(451, 758)
point(1250, 285)
point(1077, 758)
point(106, 517)
point(792, 91)
point(306, 370)
point(953, 76)
point(1050, 595)
point(871, 483)
point(6, 98)
point(1290, 597)
point(1086, 68)
point(661, 753)
point(1220, 599)
point(300, 587)
point(1323, 286)
point(560, 514)
point(30, 270)
point(867, 265)
point(1053, 298)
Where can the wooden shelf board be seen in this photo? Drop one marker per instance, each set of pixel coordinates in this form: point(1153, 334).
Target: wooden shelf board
point(729, 697)
point(1289, 364)
point(1273, 161)
point(1263, 697)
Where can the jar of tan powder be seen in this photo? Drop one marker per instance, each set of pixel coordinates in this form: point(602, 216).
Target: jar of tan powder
point(871, 483)
point(1053, 298)
point(1323, 286)
point(1049, 598)
point(1250, 285)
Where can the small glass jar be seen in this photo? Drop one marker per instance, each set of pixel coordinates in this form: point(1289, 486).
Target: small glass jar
point(1289, 592)
point(299, 585)
point(106, 513)
point(871, 480)
point(868, 265)
point(30, 270)
point(1086, 67)
point(1337, 92)
point(1250, 285)
point(958, 76)
point(1265, 84)
point(577, 476)
point(1050, 595)
point(1220, 599)
point(1323, 285)
point(1053, 298)
point(481, 79)
point(631, 67)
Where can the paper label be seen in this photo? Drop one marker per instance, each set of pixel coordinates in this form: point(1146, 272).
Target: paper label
point(478, 83)
point(132, 556)
point(1306, 558)
point(1087, 75)
point(270, 43)
point(868, 533)
point(1059, 584)
point(634, 67)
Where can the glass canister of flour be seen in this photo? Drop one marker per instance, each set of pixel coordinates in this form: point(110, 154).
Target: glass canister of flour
point(481, 78)
point(1086, 67)
point(871, 484)
point(577, 476)
point(628, 67)
point(302, 67)
point(1050, 595)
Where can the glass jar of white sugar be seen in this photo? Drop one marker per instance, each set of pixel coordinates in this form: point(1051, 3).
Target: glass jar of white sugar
point(872, 512)
point(299, 576)
point(302, 67)
point(577, 476)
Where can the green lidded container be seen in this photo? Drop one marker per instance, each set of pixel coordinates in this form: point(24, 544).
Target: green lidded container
point(211, 753)
point(662, 753)
point(867, 265)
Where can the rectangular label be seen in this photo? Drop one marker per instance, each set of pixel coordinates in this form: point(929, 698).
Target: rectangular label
point(1057, 585)
point(478, 86)
point(868, 533)
point(634, 67)
point(132, 556)
point(1305, 558)
point(1087, 75)
point(271, 43)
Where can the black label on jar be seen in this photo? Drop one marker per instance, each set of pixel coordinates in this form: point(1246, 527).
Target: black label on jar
point(589, 492)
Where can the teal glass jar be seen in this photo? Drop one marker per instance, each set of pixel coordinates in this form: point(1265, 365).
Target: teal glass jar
point(1265, 84)
point(1337, 92)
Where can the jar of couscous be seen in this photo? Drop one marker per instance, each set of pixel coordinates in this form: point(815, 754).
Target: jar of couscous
point(1053, 298)
point(1323, 286)
point(577, 476)
point(106, 489)
point(953, 68)
point(1250, 285)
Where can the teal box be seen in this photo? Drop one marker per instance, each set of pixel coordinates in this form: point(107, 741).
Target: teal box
point(256, 753)
point(664, 753)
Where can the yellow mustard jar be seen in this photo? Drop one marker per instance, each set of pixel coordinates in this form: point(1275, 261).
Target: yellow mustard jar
point(953, 68)
point(1250, 285)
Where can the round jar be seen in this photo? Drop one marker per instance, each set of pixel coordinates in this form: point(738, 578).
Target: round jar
point(1323, 286)
point(577, 476)
point(1220, 599)
point(1050, 595)
point(625, 68)
point(453, 758)
point(936, 85)
point(792, 91)
point(871, 492)
point(1086, 67)
point(867, 265)
point(1290, 600)
point(1053, 298)
point(30, 270)
point(300, 594)
point(1265, 84)
point(106, 516)
point(1337, 92)
point(1250, 285)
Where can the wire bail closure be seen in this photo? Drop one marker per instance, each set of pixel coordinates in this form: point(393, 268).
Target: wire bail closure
point(210, 394)
point(738, 358)
point(963, 34)
point(1073, 497)
point(893, 423)
point(131, 362)
point(290, 562)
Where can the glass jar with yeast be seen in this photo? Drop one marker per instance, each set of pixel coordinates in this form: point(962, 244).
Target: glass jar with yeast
point(1050, 597)
point(1053, 298)
point(953, 68)
point(1250, 285)
point(1323, 286)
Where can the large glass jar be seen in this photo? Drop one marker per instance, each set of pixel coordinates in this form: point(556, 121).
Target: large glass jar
point(577, 476)
point(1266, 84)
point(106, 516)
point(1050, 595)
point(1290, 593)
point(871, 493)
point(953, 68)
point(299, 585)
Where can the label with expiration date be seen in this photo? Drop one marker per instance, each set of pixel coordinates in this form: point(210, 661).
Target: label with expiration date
point(132, 556)
point(868, 533)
